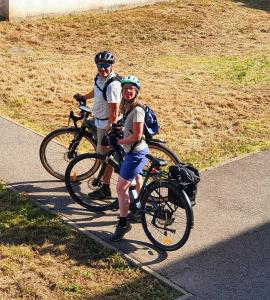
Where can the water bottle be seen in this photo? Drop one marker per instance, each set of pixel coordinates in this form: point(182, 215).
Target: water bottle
point(132, 192)
point(133, 195)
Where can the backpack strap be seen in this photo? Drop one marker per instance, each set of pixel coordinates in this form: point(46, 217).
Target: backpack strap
point(125, 117)
point(96, 78)
point(108, 82)
point(112, 79)
point(137, 104)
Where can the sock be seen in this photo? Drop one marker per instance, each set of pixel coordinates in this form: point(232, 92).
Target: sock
point(122, 221)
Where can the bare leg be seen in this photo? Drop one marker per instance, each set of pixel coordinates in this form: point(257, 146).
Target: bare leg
point(107, 174)
point(123, 195)
point(139, 183)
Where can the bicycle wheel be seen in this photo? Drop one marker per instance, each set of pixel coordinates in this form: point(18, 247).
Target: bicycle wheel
point(80, 188)
point(53, 151)
point(161, 151)
point(166, 216)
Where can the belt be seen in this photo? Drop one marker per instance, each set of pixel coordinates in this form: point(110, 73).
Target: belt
point(102, 119)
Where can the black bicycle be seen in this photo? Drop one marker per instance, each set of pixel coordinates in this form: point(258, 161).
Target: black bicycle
point(62, 145)
point(165, 208)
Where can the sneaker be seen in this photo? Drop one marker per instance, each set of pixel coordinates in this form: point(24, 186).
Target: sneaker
point(120, 231)
point(134, 216)
point(102, 193)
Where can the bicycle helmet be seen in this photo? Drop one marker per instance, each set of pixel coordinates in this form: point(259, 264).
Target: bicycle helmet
point(104, 57)
point(131, 80)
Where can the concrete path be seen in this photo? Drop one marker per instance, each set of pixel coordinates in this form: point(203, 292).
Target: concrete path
point(228, 253)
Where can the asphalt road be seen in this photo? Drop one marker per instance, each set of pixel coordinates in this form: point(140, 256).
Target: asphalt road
point(228, 253)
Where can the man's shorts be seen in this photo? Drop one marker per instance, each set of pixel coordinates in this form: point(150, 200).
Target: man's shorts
point(133, 164)
point(100, 148)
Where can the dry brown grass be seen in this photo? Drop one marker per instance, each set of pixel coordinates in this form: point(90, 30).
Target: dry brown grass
point(204, 66)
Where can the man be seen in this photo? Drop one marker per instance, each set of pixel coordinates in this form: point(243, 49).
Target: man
point(107, 97)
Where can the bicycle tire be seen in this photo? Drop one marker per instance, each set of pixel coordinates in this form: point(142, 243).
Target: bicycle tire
point(166, 224)
point(159, 150)
point(54, 148)
point(80, 188)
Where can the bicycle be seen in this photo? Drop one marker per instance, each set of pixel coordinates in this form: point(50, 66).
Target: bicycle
point(165, 209)
point(62, 145)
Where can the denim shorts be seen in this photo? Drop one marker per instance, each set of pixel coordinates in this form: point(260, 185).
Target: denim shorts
point(133, 164)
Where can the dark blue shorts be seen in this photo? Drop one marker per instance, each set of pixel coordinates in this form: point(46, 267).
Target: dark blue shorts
point(133, 164)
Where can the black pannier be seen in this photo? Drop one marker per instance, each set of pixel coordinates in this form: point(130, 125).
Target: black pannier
point(188, 177)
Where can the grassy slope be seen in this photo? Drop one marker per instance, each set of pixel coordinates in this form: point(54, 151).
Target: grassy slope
point(42, 258)
point(204, 66)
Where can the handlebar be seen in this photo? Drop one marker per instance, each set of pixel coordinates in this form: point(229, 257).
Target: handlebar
point(80, 98)
point(85, 111)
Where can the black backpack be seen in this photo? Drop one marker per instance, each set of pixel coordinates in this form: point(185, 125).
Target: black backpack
point(188, 177)
point(108, 82)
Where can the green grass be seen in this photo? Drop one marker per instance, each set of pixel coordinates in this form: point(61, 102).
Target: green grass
point(43, 258)
point(234, 70)
point(245, 140)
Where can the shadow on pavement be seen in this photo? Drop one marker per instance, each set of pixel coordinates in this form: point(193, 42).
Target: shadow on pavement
point(236, 268)
point(53, 194)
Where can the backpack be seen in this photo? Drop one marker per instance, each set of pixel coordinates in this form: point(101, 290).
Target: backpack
point(108, 82)
point(151, 125)
point(188, 177)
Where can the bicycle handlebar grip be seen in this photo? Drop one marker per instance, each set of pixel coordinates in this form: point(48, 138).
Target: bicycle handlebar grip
point(80, 98)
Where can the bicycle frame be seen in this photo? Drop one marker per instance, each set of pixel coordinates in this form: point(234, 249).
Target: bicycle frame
point(115, 156)
point(84, 114)
point(152, 171)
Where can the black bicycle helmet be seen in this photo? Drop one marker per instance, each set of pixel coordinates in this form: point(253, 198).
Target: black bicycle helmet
point(104, 57)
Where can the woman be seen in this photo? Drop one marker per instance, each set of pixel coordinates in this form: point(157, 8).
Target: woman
point(135, 148)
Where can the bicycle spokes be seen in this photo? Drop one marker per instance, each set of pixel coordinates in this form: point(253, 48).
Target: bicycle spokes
point(165, 223)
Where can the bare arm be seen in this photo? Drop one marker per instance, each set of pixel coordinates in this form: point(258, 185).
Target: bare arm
point(136, 135)
point(113, 114)
point(90, 95)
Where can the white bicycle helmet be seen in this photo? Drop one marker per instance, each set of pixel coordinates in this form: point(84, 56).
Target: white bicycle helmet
point(131, 80)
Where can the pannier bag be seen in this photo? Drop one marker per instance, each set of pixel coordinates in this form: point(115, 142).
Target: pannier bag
point(188, 177)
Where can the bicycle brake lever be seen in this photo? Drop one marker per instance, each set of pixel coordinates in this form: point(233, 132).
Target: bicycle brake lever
point(71, 116)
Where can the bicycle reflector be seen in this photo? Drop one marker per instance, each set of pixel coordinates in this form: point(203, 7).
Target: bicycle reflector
point(73, 176)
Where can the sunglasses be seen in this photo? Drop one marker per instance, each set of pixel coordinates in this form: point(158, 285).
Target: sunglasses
point(105, 66)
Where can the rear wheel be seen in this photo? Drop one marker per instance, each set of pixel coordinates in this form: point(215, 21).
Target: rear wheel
point(166, 216)
point(54, 151)
point(159, 150)
point(79, 186)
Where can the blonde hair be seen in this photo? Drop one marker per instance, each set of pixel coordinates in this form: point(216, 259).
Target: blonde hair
point(128, 105)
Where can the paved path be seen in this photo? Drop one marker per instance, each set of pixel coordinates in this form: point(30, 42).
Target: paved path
point(228, 253)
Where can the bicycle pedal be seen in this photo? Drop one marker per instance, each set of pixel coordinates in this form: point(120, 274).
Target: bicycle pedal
point(116, 208)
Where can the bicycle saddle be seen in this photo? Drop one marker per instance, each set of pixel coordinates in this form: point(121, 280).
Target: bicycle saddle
point(156, 162)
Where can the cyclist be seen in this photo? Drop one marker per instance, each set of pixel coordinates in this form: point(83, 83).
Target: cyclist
point(105, 111)
point(135, 147)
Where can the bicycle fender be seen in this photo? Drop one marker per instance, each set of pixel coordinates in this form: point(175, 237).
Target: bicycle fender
point(185, 196)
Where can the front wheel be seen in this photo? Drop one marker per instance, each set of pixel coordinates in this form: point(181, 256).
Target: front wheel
point(166, 216)
point(80, 189)
point(54, 151)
